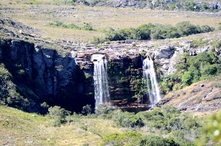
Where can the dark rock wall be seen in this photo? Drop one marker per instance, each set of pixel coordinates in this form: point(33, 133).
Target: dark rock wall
point(51, 78)
point(42, 75)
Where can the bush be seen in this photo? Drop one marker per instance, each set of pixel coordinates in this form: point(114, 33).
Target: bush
point(214, 127)
point(126, 119)
point(198, 67)
point(86, 26)
point(102, 109)
point(130, 138)
point(58, 115)
point(158, 31)
point(86, 109)
point(157, 141)
point(197, 43)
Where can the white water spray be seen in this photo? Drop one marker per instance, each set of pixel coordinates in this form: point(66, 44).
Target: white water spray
point(150, 76)
point(101, 91)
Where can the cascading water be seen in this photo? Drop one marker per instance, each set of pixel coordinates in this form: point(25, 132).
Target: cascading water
point(101, 91)
point(150, 76)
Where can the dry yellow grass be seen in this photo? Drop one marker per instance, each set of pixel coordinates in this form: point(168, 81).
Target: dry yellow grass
point(42, 12)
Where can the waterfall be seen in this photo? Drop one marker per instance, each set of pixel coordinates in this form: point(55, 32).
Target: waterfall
point(101, 91)
point(150, 76)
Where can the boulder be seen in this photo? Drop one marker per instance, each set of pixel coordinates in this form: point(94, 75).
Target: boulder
point(165, 52)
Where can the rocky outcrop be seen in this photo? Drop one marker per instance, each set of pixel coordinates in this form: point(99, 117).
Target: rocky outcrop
point(37, 74)
point(153, 4)
point(51, 77)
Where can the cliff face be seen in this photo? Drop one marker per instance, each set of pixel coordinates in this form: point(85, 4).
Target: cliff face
point(33, 76)
point(49, 76)
point(42, 75)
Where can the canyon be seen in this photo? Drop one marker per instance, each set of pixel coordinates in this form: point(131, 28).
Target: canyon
point(42, 75)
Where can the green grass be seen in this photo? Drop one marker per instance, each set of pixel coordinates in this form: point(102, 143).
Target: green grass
point(20, 128)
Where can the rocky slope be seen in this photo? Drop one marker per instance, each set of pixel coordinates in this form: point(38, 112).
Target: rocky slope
point(199, 5)
point(203, 96)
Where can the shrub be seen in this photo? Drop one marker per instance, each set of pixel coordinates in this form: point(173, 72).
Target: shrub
point(214, 127)
point(126, 119)
point(86, 26)
point(102, 109)
point(157, 141)
point(158, 31)
point(58, 115)
point(216, 45)
point(197, 43)
point(130, 138)
point(198, 67)
point(86, 109)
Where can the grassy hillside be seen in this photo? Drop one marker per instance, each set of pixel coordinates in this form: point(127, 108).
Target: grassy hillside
point(20, 128)
point(40, 13)
point(162, 126)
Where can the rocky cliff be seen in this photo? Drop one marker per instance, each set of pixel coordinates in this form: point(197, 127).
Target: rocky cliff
point(40, 75)
point(37, 73)
point(43, 75)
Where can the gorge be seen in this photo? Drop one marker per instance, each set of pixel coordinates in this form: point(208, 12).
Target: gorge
point(105, 73)
point(70, 80)
point(37, 74)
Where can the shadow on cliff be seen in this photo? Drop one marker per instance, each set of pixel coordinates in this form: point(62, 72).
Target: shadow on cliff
point(43, 77)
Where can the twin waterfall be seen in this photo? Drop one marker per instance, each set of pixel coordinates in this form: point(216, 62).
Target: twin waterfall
point(101, 90)
point(150, 76)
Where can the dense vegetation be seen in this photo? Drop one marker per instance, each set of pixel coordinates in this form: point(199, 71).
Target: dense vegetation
point(160, 126)
point(143, 128)
point(142, 32)
point(191, 69)
point(158, 31)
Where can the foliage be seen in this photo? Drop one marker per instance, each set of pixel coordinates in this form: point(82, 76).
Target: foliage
point(132, 138)
point(168, 119)
point(179, 128)
point(126, 119)
point(197, 43)
point(58, 115)
point(86, 109)
point(129, 138)
point(10, 94)
point(216, 45)
point(169, 83)
point(200, 67)
point(190, 69)
point(102, 109)
point(157, 141)
point(214, 127)
point(158, 31)
point(86, 26)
